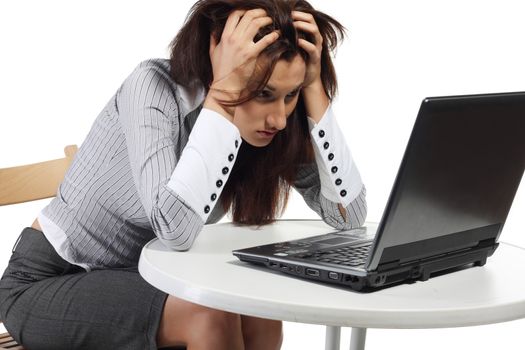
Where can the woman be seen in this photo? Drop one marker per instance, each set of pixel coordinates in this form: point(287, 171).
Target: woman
point(239, 114)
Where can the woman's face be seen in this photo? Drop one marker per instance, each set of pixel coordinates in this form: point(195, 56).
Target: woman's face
point(259, 119)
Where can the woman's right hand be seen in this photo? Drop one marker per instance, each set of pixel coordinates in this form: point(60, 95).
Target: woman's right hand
point(233, 58)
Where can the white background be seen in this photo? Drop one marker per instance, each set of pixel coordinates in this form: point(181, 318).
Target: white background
point(61, 61)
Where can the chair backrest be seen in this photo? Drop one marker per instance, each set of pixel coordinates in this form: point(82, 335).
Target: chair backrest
point(34, 181)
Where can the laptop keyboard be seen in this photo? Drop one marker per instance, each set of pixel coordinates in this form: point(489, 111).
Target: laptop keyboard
point(348, 256)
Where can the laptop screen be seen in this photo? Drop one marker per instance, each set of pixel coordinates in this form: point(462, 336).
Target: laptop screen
point(458, 177)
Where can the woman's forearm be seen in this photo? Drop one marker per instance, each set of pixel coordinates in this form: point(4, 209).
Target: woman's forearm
point(316, 101)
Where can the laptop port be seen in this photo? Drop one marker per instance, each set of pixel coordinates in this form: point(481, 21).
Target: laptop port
point(312, 272)
point(273, 264)
point(351, 279)
point(333, 275)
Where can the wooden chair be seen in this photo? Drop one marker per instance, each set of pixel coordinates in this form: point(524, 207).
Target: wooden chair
point(28, 183)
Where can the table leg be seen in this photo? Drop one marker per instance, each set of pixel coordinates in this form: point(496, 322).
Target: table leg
point(333, 337)
point(357, 341)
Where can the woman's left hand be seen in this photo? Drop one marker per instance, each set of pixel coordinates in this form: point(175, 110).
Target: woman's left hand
point(315, 98)
point(305, 22)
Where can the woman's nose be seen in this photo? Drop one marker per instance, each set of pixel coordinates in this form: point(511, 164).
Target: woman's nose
point(277, 117)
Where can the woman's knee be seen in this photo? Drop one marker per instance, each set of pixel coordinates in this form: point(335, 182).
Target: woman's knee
point(260, 333)
point(11, 318)
point(186, 323)
point(10, 314)
point(220, 324)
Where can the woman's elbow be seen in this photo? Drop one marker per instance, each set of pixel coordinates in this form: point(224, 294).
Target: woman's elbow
point(176, 245)
point(176, 234)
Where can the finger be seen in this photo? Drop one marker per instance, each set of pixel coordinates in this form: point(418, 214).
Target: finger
point(232, 22)
point(310, 48)
point(303, 16)
point(256, 25)
point(248, 17)
point(265, 41)
point(309, 28)
point(306, 27)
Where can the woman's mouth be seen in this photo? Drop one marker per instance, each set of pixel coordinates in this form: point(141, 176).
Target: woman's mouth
point(267, 134)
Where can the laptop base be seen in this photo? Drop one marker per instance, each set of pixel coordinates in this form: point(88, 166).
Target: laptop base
point(375, 280)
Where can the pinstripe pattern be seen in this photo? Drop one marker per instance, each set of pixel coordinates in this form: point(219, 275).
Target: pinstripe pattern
point(114, 197)
point(309, 186)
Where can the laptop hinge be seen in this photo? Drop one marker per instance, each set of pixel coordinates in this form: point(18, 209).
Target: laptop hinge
point(388, 266)
point(486, 243)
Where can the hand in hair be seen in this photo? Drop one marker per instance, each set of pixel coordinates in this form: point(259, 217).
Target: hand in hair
point(315, 97)
point(305, 22)
point(233, 58)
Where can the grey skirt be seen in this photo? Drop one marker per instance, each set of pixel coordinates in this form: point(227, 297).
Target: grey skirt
point(48, 303)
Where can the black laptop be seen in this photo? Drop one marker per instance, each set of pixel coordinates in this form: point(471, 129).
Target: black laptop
point(460, 172)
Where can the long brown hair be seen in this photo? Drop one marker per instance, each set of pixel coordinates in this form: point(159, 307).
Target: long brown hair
point(259, 183)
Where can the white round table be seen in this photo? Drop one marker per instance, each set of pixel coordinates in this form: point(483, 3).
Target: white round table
point(208, 274)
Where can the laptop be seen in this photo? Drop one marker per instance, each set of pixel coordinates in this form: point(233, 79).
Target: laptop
point(453, 191)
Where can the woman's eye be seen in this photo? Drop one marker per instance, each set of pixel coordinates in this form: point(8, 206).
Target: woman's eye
point(292, 94)
point(265, 94)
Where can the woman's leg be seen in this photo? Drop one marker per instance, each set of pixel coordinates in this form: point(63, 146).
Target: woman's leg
point(47, 303)
point(261, 333)
point(200, 327)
